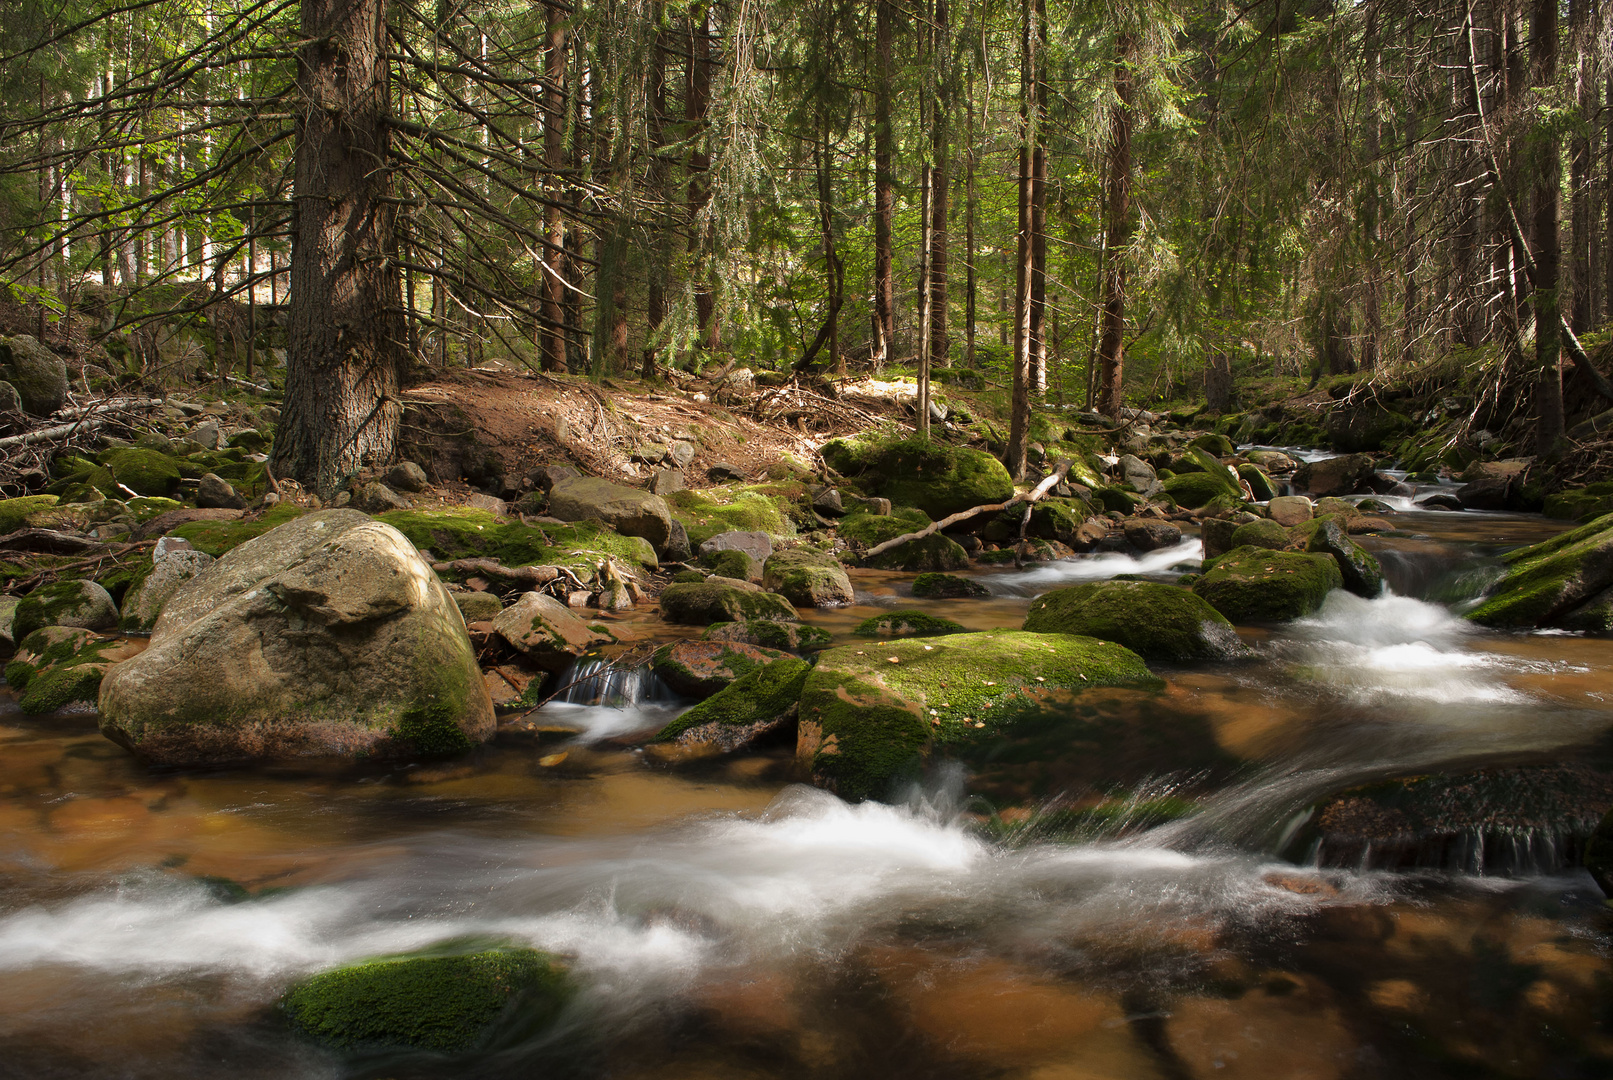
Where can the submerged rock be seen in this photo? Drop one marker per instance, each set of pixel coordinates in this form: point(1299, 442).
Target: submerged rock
point(1562, 582)
point(710, 602)
point(443, 1002)
point(1253, 585)
point(907, 624)
point(870, 715)
point(327, 636)
point(946, 587)
point(699, 669)
point(56, 666)
point(1153, 620)
point(770, 633)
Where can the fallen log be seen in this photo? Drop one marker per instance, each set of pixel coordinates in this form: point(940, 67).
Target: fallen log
point(534, 577)
point(1058, 473)
point(46, 434)
point(50, 542)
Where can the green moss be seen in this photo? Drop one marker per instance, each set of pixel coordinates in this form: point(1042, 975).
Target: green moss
point(217, 537)
point(872, 529)
point(56, 688)
point(931, 553)
point(762, 694)
point(1260, 485)
point(732, 564)
point(441, 1002)
point(1000, 557)
point(145, 508)
point(1359, 567)
point(462, 533)
point(145, 472)
point(56, 604)
point(14, 512)
point(433, 730)
point(876, 718)
point(946, 587)
point(1250, 584)
point(906, 624)
point(709, 511)
point(54, 667)
point(687, 577)
point(1264, 533)
point(1195, 490)
point(1118, 500)
point(1219, 445)
point(1546, 581)
point(1154, 620)
point(807, 577)
point(772, 634)
point(707, 602)
point(936, 477)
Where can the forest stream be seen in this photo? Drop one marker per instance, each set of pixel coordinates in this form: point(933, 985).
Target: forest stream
point(726, 922)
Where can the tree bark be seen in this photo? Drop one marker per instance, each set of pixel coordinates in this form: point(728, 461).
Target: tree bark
point(969, 297)
point(940, 342)
point(1581, 310)
point(884, 191)
point(1547, 246)
point(346, 335)
point(696, 107)
point(554, 157)
point(1117, 216)
point(1020, 407)
point(1038, 219)
point(655, 270)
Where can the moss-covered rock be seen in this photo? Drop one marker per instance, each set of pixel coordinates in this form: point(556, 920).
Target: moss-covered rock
point(1578, 504)
point(1547, 583)
point(56, 666)
point(906, 624)
point(463, 533)
point(707, 512)
point(546, 631)
point(38, 375)
point(807, 577)
point(145, 472)
point(732, 564)
point(936, 477)
point(709, 602)
point(444, 1002)
point(1219, 445)
point(1197, 489)
point(871, 529)
point(699, 669)
point(1264, 533)
point(145, 508)
point(218, 537)
point(927, 554)
point(869, 715)
point(1260, 485)
point(771, 634)
point(82, 604)
point(1362, 573)
point(946, 587)
point(14, 512)
point(1153, 620)
point(1253, 585)
point(755, 704)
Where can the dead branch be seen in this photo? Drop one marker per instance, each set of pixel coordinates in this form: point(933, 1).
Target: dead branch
point(1029, 497)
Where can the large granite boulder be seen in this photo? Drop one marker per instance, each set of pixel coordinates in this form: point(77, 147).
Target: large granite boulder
point(630, 511)
point(38, 375)
point(327, 636)
point(807, 578)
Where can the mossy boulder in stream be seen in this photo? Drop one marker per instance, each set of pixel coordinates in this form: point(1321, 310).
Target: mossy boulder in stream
point(457, 532)
point(1264, 533)
point(699, 669)
point(445, 1002)
point(83, 604)
point(946, 587)
point(870, 714)
point(906, 624)
point(1253, 585)
point(704, 603)
point(758, 703)
point(1559, 583)
point(326, 637)
point(771, 634)
point(1359, 567)
point(56, 666)
point(935, 477)
point(807, 577)
point(14, 512)
point(1153, 620)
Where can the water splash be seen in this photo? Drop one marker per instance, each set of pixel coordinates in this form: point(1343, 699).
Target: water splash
point(1099, 567)
point(603, 700)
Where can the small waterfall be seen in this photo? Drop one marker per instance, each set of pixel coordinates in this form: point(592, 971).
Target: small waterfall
point(602, 683)
point(1435, 576)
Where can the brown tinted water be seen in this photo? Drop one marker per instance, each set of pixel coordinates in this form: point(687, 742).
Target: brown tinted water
point(725, 923)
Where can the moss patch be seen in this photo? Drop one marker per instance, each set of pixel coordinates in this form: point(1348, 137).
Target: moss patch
point(770, 633)
point(443, 1002)
point(1546, 582)
point(752, 508)
point(14, 512)
point(1252, 585)
point(1154, 620)
point(880, 708)
point(708, 602)
point(462, 533)
point(871, 529)
point(756, 697)
point(218, 537)
point(936, 477)
point(946, 587)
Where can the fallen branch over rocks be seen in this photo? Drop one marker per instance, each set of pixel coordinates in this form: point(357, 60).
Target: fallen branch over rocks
point(533, 577)
point(1027, 498)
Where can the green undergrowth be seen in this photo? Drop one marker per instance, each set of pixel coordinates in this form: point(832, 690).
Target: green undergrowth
point(736, 508)
point(218, 537)
point(462, 533)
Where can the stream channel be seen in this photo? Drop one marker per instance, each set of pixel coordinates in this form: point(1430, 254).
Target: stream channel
point(726, 922)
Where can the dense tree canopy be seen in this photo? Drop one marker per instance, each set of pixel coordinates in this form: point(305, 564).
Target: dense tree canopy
point(1103, 202)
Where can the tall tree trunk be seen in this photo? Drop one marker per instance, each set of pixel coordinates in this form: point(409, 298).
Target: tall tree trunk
point(969, 297)
point(1547, 174)
point(1607, 197)
point(1117, 224)
point(697, 103)
point(554, 157)
point(1020, 407)
point(656, 268)
point(884, 191)
point(1372, 338)
point(341, 405)
point(940, 342)
point(1038, 221)
point(1581, 312)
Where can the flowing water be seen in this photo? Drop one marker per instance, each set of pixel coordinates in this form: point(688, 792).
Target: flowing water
point(726, 922)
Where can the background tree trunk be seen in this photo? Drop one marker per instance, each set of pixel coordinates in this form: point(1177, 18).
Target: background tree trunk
point(554, 156)
point(1547, 254)
point(346, 336)
point(884, 192)
point(1117, 217)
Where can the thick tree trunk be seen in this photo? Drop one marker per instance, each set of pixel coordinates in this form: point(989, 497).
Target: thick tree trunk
point(346, 335)
point(554, 156)
point(1547, 173)
point(1581, 312)
point(884, 191)
point(1117, 217)
point(1038, 219)
point(1020, 408)
point(697, 104)
point(940, 342)
point(969, 297)
point(655, 270)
